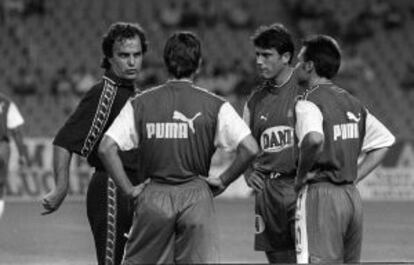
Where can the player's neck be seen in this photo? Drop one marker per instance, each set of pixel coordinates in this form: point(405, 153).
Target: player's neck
point(283, 77)
point(317, 80)
point(189, 80)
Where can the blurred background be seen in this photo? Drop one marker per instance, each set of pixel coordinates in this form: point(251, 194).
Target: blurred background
point(51, 53)
point(50, 56)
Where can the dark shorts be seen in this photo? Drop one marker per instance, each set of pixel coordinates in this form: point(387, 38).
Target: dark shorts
point(329, 224)
point(175, 224)
point(274, 220)
point(110, 215)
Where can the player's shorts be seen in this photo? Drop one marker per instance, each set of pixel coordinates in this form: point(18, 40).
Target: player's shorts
point(4, 165)
point(110, 215)
point(275, 212)
point(175, 224)
point(329, 224)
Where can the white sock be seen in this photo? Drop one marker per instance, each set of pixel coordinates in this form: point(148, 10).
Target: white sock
point(1, 208)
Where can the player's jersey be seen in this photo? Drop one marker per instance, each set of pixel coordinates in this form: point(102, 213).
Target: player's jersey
point(84, 129)
point(4, 106)
point(270, 114)
point(178, 138)
point(344, 119)
point(177, 128)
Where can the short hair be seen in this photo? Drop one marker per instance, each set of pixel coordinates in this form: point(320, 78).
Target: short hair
point(120, 31)
point(182, 54)
point(275, 36)
point(325, 54)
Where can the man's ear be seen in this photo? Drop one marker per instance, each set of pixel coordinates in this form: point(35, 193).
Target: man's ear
point(286, 57)
point(200, 64)
point(309, 66)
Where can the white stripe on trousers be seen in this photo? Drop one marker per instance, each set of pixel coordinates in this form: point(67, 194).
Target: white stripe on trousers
point(111, 223)
point(301, 233)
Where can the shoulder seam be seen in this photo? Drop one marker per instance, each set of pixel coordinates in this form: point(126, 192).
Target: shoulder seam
point(142, 93)
point(204, 90)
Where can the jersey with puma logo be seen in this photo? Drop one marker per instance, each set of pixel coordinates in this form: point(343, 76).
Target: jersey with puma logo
point(344, 118)
point(178, 136)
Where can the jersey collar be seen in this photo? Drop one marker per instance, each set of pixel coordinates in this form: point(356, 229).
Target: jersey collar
point(183, 80)
point(116, 80)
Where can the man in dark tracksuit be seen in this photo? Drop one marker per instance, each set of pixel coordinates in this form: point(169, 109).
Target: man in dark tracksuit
point(269, 113)
point(109, 211)
point(177, 126)
point(333, 128)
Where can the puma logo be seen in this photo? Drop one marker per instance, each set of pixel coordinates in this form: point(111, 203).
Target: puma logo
point(263, 118)
point(352, 117)
point(181, 117)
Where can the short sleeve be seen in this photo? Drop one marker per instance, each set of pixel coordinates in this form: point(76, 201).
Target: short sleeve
point(231, 129)
point(309, 119)
point(376, 135)
point(14, 118)
point(123, 130)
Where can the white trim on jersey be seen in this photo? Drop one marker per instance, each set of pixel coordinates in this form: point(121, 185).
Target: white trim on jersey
point(309, 118)
point(14, 118)
point(122, 129)
point(231, 129)
point(376, 135)
point(301, 232)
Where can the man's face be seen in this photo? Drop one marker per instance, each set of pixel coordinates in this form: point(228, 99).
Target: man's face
point(126, 61)
point(269, 62)
point(303, 69)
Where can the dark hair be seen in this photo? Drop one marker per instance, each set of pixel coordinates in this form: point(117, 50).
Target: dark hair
point(120, 31)
point(182, 54)
point(325, 54)
point(275, 36)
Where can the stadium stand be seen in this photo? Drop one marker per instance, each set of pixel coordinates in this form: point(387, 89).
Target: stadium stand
point(61, 33)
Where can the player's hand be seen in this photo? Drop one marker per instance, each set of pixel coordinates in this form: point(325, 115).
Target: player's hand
point(137, 190)
point(301, 180)
point(216, 186)
point(52, 201)
point(255, 180)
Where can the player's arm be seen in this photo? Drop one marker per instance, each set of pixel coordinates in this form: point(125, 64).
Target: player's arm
point(61, 164)
point(69, 139)
point(108, 153)
point(369, 162)
point(233, 133)
point(376, 143)
point(309, 130)
point(246, 151)
point(121, 135)
point(253, 178)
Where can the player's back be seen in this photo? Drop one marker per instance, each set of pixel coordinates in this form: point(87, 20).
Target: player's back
point(176, 125)
point(344, 128)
